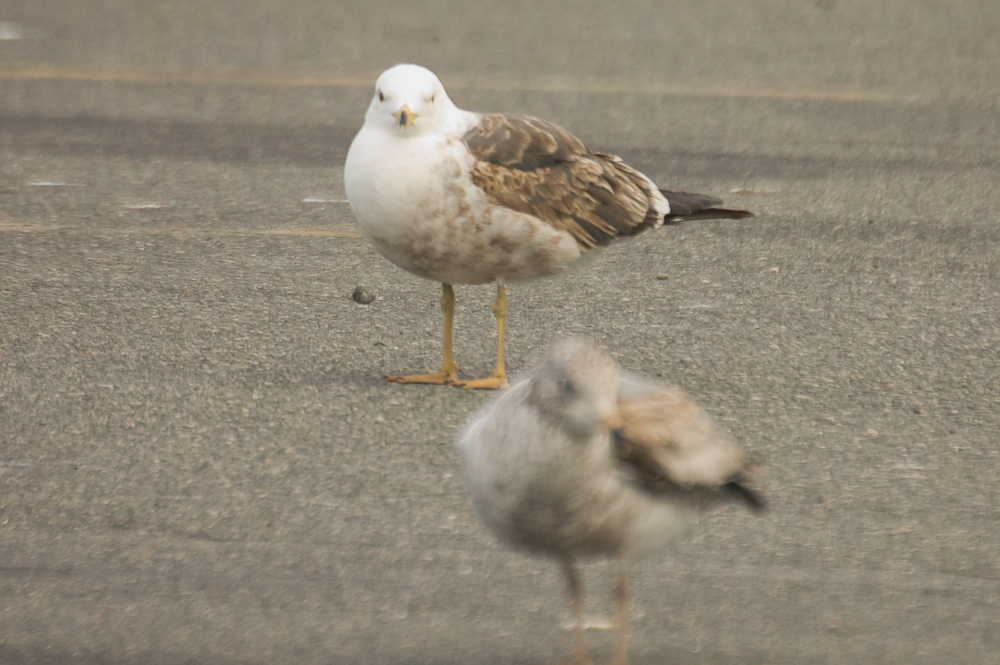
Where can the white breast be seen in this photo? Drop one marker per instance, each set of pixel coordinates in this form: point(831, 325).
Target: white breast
point(417, 205)
point(390, 181)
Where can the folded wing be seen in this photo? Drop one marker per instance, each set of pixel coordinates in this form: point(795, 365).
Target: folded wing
point(672, 446)
point(538, 168)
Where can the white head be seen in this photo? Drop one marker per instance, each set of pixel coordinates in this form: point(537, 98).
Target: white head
point(576, 388)
point(409, 100)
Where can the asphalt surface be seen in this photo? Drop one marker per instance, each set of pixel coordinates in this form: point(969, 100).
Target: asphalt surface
point(200, 462)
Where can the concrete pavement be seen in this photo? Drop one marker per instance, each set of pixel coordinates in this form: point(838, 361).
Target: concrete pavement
point(199, 461)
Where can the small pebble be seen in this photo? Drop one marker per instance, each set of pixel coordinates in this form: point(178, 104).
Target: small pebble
point(362, 296)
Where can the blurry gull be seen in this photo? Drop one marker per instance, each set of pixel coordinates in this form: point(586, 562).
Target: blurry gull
point(581, 460)
point(471, 198)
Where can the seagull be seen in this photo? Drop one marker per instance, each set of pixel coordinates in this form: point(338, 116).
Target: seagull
point(580, 460)
point(469, 198)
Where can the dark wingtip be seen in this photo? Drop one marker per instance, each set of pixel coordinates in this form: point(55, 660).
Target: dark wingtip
point(709, 213)
point(733, 213)
point(686, 206)
point(752, 500)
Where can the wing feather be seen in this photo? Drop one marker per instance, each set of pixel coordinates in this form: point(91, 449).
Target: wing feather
point(673, 446)
point(538, 168)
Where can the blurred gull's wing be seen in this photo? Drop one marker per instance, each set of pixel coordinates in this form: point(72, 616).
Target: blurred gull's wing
point(674, 447)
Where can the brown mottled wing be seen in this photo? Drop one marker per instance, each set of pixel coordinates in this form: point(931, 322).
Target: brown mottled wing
point(672, 446)
point(539, 168)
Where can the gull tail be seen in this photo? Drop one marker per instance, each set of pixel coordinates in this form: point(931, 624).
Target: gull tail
point(685, 206)
point(742, 494)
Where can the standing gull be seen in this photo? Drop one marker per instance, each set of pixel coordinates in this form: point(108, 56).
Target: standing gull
point(579, 460)
point(471, 198)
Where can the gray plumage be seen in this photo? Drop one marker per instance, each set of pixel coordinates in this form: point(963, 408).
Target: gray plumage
point(580, 460)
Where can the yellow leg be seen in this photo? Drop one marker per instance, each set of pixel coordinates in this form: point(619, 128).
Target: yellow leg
point(497, 380)
point(449, 370)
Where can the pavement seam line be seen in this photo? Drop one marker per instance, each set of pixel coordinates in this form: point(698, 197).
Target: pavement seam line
point(49, 72)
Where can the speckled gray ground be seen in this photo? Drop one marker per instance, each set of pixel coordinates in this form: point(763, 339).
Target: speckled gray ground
point(199, 462)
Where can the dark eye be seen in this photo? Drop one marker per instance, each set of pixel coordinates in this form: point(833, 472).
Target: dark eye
point(432, 97)
point(566, 387)
point(381, 97)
